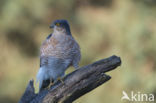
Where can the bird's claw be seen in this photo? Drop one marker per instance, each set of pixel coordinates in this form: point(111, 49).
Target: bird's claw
point(51, 83)
point(60, 79)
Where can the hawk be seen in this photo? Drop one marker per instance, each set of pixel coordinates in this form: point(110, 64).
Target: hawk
point(59, 51)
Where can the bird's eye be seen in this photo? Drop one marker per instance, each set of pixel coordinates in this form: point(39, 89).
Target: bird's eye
point(57, 24)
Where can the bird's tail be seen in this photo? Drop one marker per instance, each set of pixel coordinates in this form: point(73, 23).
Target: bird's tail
point(41, 76)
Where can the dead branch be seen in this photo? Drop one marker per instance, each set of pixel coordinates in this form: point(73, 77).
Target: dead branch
point(75, 84)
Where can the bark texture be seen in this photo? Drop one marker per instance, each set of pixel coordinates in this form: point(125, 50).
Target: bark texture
point(76, 84)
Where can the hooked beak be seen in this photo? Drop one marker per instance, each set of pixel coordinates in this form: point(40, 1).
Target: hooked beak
point(52, 26)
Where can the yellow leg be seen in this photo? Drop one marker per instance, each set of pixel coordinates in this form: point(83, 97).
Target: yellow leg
point(51, 83)
point(60, 79)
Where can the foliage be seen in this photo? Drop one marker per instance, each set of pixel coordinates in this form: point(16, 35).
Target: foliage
point(126, 28)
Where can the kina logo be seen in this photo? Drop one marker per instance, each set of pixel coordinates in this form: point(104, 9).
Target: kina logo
point(137, 96)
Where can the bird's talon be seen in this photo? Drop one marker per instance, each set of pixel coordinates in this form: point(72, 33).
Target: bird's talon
point(60, 79)
point(51, 83)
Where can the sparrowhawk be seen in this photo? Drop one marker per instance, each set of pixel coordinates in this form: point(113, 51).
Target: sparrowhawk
point(57, 53)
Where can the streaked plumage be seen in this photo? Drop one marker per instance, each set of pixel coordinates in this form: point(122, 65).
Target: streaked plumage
point(57, 53)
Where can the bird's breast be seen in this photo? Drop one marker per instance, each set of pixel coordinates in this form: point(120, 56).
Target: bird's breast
point(58, 47)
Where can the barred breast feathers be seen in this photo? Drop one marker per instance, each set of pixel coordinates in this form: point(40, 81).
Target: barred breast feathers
point(59, 48)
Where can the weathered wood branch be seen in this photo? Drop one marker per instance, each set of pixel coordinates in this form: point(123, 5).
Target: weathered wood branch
point(75, 84)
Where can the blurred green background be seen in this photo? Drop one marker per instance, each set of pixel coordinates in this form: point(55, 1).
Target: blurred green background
point(126, 28)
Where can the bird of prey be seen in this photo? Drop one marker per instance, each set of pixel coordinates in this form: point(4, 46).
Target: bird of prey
point(59, 51)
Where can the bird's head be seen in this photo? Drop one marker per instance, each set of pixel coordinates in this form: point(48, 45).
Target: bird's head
point(61, 26)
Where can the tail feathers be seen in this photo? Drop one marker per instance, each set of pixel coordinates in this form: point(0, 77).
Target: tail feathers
point(41, 76)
